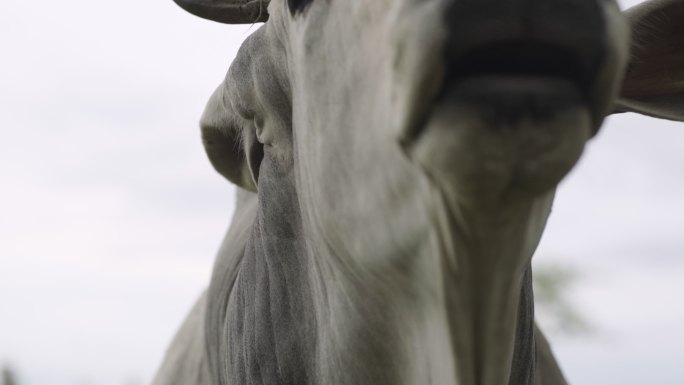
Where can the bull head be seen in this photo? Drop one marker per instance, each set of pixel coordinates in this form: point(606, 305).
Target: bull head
point(402, 157)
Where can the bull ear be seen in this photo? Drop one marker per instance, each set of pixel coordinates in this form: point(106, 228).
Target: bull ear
point(654, 83)
point(228, 11)
point(235, 153)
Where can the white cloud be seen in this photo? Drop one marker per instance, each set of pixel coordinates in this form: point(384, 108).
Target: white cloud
point(109, 213)
point(619, 219)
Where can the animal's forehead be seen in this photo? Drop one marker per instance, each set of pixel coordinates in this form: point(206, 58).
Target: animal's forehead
point(352, 11)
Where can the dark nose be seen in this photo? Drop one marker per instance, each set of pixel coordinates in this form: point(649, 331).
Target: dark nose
point(576, 25)
point(561, 38)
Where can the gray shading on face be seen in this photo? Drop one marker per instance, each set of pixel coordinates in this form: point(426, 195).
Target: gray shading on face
point(398, 160)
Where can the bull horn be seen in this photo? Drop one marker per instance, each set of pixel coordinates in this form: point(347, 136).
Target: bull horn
point(228, 11)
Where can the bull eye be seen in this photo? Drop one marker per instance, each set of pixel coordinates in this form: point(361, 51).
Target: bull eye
point(298, 5)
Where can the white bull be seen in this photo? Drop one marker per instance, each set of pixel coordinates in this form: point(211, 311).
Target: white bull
point(397, 161)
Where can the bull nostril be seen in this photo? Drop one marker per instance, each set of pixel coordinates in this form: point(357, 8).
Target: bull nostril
point(521, 58)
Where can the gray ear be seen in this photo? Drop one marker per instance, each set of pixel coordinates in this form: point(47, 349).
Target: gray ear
point(234, 152)
point(654, 83)
point(228, 11)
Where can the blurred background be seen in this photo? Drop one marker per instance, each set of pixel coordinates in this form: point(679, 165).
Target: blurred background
point(110, 214)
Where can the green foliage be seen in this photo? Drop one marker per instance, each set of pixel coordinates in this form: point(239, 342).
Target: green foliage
point(552, 290)
point(8, 377)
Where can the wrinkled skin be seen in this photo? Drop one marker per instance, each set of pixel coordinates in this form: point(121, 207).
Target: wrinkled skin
point(398, 160)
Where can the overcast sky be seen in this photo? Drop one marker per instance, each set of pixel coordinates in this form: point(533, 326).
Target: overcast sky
point(110, 214)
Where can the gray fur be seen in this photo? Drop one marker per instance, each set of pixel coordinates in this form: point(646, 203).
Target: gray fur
point(185, 361)
point(389, 205)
